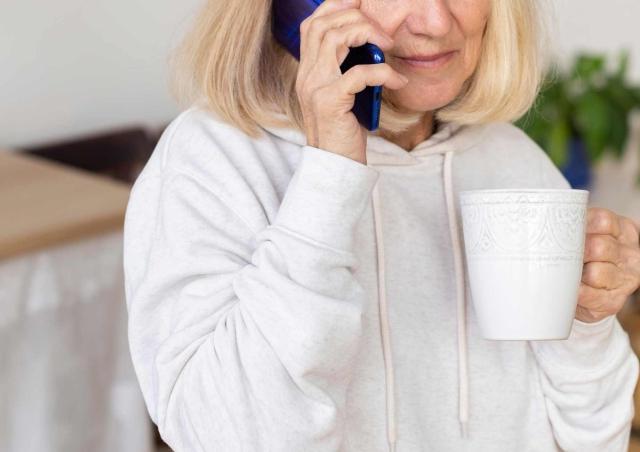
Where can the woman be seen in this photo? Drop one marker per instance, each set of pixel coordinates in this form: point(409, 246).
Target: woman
point(295, 283)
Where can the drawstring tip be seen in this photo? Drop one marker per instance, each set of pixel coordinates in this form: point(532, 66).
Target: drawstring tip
point(392, 447)
point(463, 430)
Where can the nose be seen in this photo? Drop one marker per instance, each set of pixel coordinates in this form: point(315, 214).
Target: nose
point(432, 18)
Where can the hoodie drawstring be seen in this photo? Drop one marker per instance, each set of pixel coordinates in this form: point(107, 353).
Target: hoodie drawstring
point(384, 324)
point(461, 308)
point(463, 376)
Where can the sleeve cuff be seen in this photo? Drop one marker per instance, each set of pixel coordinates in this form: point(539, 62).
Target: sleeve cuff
point(585, 329)
point(326, 197)
point(586, 348)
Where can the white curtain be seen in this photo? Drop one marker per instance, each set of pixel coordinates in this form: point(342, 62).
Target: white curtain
point(66, 379)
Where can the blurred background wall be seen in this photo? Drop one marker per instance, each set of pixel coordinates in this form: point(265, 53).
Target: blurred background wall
point(601, 26)
point(63, 59)
point(75, 66)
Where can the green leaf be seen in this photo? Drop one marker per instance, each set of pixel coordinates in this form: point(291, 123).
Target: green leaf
point(619, 129)
point(636, 95)
point(586, 66)
point(592, 122)
point(623, 65)
point(589, 102)
point(621, 95)
point(559, 142)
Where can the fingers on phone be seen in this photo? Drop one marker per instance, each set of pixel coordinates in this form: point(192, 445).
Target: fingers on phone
point(362, 75)
point(360, 33)
point(325, 8)
point(349, 28)
point(334, 46)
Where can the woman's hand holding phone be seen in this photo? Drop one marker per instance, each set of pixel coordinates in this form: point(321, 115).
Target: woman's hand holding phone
point(326, 95)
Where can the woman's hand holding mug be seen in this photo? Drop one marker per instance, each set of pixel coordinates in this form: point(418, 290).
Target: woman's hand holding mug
point(611, 271)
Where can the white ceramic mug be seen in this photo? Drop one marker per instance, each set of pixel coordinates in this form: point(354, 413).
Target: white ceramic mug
point(524, 253)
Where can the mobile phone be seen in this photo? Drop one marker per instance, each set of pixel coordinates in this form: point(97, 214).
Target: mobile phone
point(287, 15)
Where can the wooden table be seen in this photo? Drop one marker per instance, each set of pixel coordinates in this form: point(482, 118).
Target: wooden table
point(43, 203)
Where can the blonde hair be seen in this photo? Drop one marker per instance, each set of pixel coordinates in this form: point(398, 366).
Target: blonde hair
point(230, 63)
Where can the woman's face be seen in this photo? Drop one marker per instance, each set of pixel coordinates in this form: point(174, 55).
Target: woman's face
point(450, 28)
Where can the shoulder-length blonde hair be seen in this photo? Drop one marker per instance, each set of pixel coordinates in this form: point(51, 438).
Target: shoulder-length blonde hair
point(230, 63)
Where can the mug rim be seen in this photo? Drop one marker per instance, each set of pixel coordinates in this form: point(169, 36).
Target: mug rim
point(525, 190)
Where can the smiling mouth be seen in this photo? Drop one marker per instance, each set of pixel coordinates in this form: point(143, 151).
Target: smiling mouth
point(429, 62)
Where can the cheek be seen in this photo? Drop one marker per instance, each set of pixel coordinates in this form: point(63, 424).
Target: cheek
point(472, 18)
point(471, 15)
point(471, 54)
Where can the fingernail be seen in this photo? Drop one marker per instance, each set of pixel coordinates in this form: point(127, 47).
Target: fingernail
point(403, 78)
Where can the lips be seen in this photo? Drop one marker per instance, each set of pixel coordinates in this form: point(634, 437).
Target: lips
point(432, 57)
point(433, 61)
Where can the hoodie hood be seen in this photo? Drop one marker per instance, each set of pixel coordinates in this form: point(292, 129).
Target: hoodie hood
point(449, 138)
point(381, 151)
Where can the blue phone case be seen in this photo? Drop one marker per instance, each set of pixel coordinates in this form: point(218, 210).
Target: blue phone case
point(286, 19)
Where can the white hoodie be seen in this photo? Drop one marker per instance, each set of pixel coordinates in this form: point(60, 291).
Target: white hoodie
point(284, 298)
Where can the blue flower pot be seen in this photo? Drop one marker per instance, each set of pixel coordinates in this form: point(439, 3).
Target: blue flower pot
point(577, 169)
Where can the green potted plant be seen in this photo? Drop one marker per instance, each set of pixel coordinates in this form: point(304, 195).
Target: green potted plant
point(583, 113)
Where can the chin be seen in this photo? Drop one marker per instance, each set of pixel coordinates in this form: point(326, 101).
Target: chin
point(427, 98)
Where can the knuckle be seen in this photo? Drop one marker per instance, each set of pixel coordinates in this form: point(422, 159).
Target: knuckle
point(594, 273)
point(356, 13)
point(304, 25)
point(586, 294)
point(364, 31)
point(332, 35)
point(352, 16)
point(606, 218)
point(314, 24)
point(598, 246)
point(596, 212)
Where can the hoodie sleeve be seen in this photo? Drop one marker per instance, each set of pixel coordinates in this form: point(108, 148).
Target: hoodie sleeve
point(588, 382)
point(588, 379)
point(243, 339)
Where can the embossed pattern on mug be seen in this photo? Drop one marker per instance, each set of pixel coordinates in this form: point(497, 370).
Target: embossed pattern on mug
point(536, 226)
